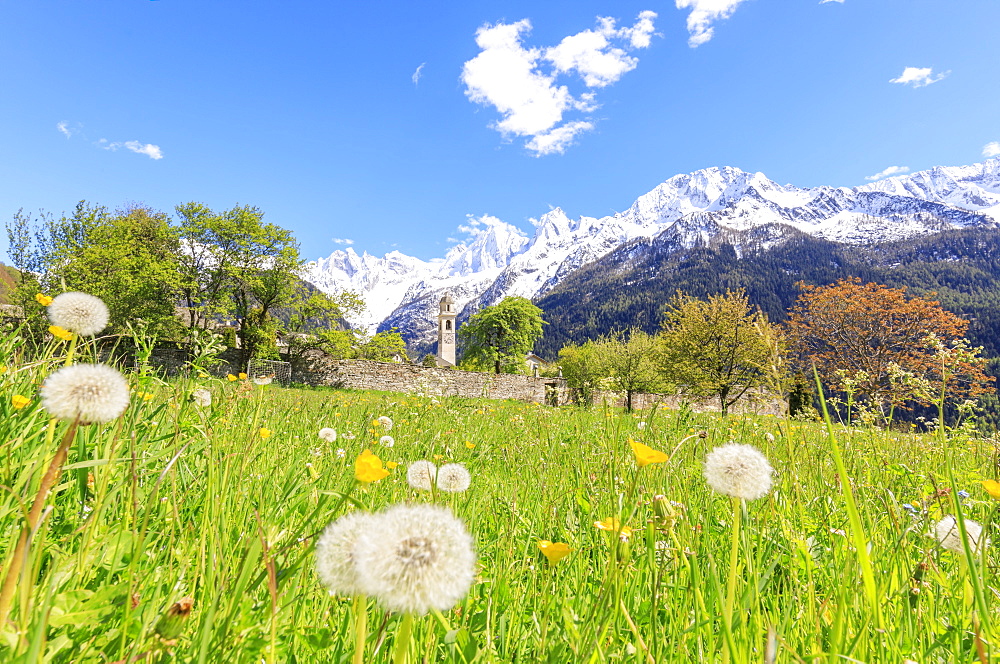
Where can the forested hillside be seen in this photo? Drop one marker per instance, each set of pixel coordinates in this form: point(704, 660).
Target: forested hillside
point(632, 285)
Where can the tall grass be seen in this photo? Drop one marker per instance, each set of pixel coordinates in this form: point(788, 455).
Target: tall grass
point(176, 501)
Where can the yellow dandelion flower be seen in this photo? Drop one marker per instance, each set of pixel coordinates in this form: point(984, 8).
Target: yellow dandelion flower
point(231, 378)
point(43, 300)
point(243, 376)
point(645, 455)
point(391, 464)
point(19, 402)
point(992, 487)
point(368, 467)
point(470, 444)
point(265, 433)
point(554, 551)
point(613, 525)
point(60, 333)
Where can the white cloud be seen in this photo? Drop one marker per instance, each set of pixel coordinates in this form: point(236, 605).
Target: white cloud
point(521, 83)
point(64, 129)
point(557, 140)
point(148, 149)
point(889, 172)
point(343, 240)
point(823, 2)
point(417, 74)
point(918, 77)
point(991, 149)
point(703, 14)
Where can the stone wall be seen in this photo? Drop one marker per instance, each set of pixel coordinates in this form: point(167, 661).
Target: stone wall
point(317, 369)
point(755, 402)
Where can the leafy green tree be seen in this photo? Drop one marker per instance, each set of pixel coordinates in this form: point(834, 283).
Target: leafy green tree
point(720, 346)
point(382, 346)
point(502, 335)
point(583, 367)
point(630, 359)
point(128, 258)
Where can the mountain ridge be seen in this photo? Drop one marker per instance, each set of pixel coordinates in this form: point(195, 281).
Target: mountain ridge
point(500, 260)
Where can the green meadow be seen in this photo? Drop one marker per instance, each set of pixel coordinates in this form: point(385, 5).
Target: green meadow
point(184, 532)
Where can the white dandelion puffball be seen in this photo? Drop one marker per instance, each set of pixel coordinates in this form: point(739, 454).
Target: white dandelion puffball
point(739, 471)
point(386, 422)
point(79, 312)
point(327, 434)
point(262, 380)
point(453, 478)
point(415, 558)
point(387, 441)
point(950, 538)
point(93, 392)
point(335, 553)
point(202, 397)
point(421, 475)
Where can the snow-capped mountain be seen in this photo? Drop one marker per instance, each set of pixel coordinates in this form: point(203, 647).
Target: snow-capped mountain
point(500, 260)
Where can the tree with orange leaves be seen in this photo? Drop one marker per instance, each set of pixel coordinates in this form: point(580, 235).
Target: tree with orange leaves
point(883, 347)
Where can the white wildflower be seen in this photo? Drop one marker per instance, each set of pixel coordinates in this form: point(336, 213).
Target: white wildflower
point(79, 312)
point(93, 392)
point(341, 453)
point(327, 434)
point(387, 441)
point(335, 553)
point(421, 475)
point(415, 558)
point(262, 380)
point(453, 478)
point(386, 422)
point(739, 471)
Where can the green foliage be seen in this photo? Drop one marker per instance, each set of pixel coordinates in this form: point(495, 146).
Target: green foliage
point(183, 501)
point(502, 335)
point(721, 346)
point(633, 287)
point(583, 367)
point(382, 347)
point(430, 360)
point(128, 258)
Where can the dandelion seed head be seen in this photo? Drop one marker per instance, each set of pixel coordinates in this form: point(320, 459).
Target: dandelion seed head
point(453, 478)
point(79, 312)
point(327, 434)
point(415, 558)
point(95, 393)
point(421, 475)
point(950, 537)
point(202, 397)
point(739, 471)
point(335, 553)
point(386, 422)
point(387, 441)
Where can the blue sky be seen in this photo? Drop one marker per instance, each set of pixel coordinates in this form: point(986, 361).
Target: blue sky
point(389, 123)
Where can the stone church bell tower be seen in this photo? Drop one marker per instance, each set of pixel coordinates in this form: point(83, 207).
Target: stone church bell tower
point(446, 332)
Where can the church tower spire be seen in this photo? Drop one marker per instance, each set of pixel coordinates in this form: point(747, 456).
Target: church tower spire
point(446, 332)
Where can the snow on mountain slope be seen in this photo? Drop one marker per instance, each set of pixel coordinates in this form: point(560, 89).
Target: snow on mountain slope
point(500, 260)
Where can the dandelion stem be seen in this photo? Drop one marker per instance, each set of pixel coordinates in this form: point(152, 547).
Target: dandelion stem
point(402, 650)
point(360, 628)
point(734, 561)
